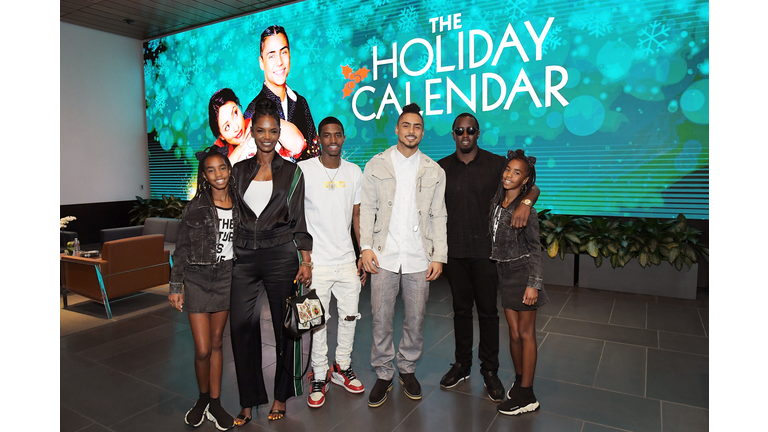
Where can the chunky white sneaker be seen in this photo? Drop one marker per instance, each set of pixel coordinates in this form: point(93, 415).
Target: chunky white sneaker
point(347, 379)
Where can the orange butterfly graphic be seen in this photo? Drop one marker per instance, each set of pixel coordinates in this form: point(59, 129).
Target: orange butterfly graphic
point(354, 77)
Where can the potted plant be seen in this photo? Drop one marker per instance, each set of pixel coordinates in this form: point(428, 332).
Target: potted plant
point(166, 207)
point(559, 238)
point(650, 243)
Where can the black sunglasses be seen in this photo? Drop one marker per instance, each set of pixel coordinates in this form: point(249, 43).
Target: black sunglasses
point(459, 131)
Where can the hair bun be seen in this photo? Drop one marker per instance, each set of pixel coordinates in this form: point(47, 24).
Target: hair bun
point(412, 108)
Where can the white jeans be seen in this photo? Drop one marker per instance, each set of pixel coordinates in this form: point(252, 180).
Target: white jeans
point(343, 282)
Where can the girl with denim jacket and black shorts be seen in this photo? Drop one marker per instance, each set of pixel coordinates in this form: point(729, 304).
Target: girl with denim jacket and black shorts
point(202, 265)
point(517, 253)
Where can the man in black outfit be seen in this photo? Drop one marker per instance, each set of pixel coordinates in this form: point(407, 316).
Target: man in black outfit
point(473, 175)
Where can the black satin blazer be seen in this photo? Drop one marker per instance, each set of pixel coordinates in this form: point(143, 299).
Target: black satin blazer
point(282, 220)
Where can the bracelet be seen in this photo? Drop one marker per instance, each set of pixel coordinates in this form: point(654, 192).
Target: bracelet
point(308, 264)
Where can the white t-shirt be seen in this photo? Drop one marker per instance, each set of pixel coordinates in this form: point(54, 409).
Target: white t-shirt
point(224, 249)
point(329, 198)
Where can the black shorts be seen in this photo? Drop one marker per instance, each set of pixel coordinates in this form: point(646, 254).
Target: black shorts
point(513, 280)
point(207, 287)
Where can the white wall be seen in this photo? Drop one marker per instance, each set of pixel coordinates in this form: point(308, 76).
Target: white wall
point(103, 122)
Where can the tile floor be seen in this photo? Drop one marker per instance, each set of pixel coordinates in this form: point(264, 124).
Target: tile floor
point(607, 362)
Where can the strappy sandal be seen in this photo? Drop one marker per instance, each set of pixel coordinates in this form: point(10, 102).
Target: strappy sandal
point(240, 417)
point(278, 412)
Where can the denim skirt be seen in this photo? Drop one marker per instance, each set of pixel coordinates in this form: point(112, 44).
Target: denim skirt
point(513, 280)
point(207, 287)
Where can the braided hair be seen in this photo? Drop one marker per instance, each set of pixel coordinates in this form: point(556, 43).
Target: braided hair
point(203, 156)
point(498, 198)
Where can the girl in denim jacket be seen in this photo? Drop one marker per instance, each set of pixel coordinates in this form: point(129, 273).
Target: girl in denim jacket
point(202, 264)
point(517, 253)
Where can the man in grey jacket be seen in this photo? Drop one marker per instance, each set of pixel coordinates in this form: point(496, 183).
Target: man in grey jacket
point(403, 240)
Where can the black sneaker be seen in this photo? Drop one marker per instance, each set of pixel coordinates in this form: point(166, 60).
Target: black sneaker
point(522, 401)
point(411, 386)
point(518, 380)
point(219, 416)
point(493, 386)
point(196, 415)
point(379, 393)
point(454, 376)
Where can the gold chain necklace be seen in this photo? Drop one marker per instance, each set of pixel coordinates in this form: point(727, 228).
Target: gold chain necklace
point(331, 184)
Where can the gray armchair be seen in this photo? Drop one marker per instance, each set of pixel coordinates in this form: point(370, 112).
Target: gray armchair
point(168, 227)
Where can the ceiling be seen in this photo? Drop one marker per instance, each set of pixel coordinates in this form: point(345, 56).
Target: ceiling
point(149, 19)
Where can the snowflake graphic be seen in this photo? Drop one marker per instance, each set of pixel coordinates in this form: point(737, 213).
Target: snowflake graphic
point(153, 45)
point(515, 9)
point(380, 3)
point(160, 102)
point(227, 42)
point(423, 60)
point(360, 20)
point(408, 18)
point(334, 35)
point(597, 22)
point(193, 41)
point(185, 77)
point(309, 48)
point(197, 65)
point(149, 72)
point(375, 42)
point(349, 61)
point(552, 41)
point(650, 41)
point(254, 87)
point(487, 20)
point(436, 7)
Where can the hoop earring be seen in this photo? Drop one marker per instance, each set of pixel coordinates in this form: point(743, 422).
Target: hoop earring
point(231, 180)
point(206, 185)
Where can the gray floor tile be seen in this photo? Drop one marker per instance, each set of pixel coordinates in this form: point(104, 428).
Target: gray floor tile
point(676, 319)
point(678, 377)
point(702, 300)
point(447, 411)
point(588, 308)
point(556, 288)
point(538, 421)
point(110, 332)
point(439, 308)
point(591, 427)
point(73, 364)
point(629, 314)
point(681, 418)
point(569, 358)
point(614, 294)
point(165, 416)
point(554, 305)
point(598, 406)
point(95, 428)
point(627, 335)
point(684, 343)
point(704, 314)
point(430, 369)
point(151, 353)
point(108, 396)
point(171, 314)
point(127, 343)
point(177, 375)
point(440, 290)
point(505, 356)
point(622, 369)
point(70, 421)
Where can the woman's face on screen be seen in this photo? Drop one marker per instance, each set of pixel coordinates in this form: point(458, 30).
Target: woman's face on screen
point(275, 59)
point(231, 123)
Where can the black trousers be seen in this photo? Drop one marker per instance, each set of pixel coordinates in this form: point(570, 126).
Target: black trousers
point(276, 267)
point(474, 282)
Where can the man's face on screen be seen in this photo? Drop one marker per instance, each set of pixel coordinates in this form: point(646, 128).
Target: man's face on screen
point(275, 59)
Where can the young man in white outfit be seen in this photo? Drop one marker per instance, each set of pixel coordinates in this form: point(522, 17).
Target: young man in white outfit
point(403, 242)
point(332, 206)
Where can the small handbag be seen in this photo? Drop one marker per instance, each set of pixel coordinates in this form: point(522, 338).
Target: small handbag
point(302, 314)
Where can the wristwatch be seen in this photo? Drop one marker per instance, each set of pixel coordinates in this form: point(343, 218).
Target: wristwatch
point(527, 202)
point(308, 264)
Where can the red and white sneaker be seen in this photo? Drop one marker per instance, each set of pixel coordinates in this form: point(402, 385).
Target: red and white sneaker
point(347, 379)
point(318, 388)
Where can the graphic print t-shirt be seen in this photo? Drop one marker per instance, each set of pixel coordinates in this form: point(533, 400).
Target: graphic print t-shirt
point(224, 249)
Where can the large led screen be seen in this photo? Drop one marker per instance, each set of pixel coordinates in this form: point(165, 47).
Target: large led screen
point(612, 97)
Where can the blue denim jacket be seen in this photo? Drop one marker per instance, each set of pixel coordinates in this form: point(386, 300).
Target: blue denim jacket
point(511, 244)
point(197, 237)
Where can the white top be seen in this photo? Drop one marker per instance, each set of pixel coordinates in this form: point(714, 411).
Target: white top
point(224, 249)
point(329, 198)
point(404, 248)
point(257, 195)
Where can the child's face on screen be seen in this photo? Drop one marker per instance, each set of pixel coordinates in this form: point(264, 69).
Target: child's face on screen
point(515, 175)
point(275, 59)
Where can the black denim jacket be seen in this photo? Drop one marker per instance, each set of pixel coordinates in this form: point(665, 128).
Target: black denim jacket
point(198, 236)
point(510, 244)
point(282, 220)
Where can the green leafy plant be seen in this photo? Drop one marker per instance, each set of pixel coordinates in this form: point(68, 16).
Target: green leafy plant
point(651, 241)
point(558, 234)
point(167, 207)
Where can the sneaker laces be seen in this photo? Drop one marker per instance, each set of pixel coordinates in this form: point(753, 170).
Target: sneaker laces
point(317, 386)
point(349, 373)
